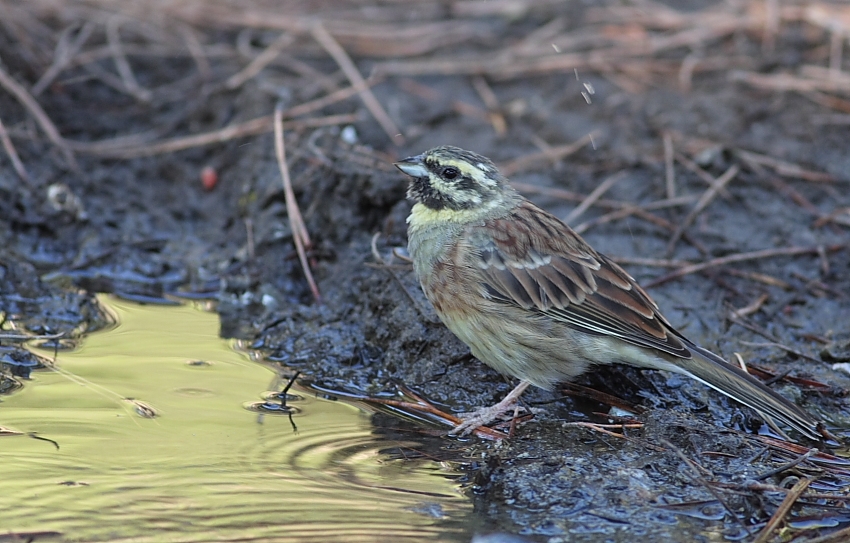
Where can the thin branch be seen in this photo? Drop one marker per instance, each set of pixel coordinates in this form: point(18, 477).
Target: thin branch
point(13, 153)
point(260, 125)
point(603, 428)
point(835, 216)
point(64, 55)
point(701, 173)
point(706, 198)
point(261, 61)
point(695, 468)
point(789, 82)
point(554, 154)
point(336, 51)
point(835, 537)
point(594, 196)
point(782, 510)
point(427, 93)
point(500, 126)
point(296, 222)
point(760, 277)
point(193, 44)
point(122, 64)
point(750, 308)
point(762, 332)
point(786, 466)
point(741, 257)
point(787, 169)
point(418, 405)
point(796, 352)
point(668, 166)
point(19, 92)
point(650, 262)
point(330, 99)
point(772, 18)
point(625, 210)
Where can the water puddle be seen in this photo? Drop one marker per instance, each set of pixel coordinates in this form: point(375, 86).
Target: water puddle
point(204, 468)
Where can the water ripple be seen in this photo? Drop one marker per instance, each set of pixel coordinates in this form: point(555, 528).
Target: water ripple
point(204, 468)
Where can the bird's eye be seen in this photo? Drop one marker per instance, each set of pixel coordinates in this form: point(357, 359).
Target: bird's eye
point(450, 172)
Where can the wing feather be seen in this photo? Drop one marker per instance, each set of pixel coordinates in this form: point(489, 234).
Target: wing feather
point(533, 260)
point(560, 290)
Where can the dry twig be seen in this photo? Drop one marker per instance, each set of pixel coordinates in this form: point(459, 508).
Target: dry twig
point(13, 153)
point(760, 277)
point(741, 257)
point(420, 405)
point(706, 198)
point(131, 85)
point(193, 44)
point(427, 93)
point(260, 125)
point(698, 475)
point(64, 55)
point(554, 154)
point(701, 173)
point(597, 193)
point(299, 230)
point(836, 216)
point(650, 262)
point(782, 510)
point(500, 126)
point(604, 429)
point(774, 341)
point(336, 51)
point(670, 177)
point(787, 465)
point(789, 82)
point(625, 210)
point(19, 92)
point(260, 61)
point(841, 536)
point(788, 169)
point(750, 308)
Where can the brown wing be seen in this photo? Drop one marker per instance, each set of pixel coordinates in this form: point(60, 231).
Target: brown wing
point(532, 259)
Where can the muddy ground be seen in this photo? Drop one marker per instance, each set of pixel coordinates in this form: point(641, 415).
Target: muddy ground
point(135, 220)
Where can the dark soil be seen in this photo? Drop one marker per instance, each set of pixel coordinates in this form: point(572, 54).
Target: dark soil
point(146, 229)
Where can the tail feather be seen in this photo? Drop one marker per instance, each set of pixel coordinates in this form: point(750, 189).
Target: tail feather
point(732, 381)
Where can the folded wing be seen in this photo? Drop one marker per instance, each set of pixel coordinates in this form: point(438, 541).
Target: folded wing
point(538, 263)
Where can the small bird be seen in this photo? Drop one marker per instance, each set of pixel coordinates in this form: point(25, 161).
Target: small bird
point(533, 300)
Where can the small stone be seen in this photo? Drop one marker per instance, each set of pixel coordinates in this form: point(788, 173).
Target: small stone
point(836, 351)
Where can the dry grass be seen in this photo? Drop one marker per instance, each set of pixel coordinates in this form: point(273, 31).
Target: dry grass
point(634, 46)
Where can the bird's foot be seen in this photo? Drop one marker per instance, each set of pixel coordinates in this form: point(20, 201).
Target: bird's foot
point(483, 417)
point(486, 415)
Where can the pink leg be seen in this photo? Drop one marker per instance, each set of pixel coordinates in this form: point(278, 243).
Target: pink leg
point(486, 415)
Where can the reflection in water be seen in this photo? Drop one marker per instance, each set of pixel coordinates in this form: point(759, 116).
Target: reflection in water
point(180, 458)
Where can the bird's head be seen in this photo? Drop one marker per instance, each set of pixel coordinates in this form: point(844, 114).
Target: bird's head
point(455, 180)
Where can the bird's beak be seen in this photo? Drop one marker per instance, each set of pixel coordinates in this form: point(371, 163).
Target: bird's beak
point(412, 166)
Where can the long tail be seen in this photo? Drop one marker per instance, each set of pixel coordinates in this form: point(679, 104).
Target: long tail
point(715, 372)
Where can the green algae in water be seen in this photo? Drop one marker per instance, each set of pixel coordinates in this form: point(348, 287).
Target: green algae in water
point(204, 468)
